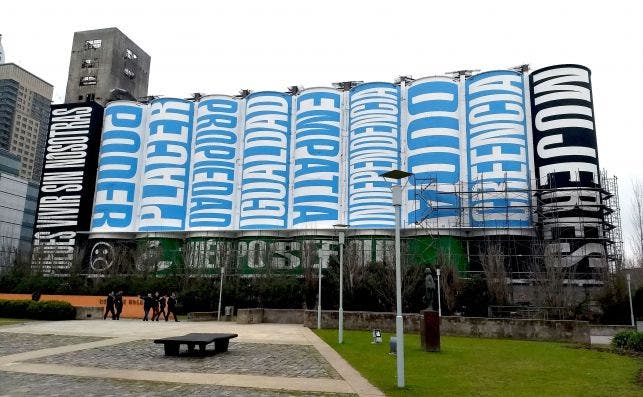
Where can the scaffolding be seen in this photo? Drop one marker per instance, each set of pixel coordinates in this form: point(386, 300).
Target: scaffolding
point(579, 223)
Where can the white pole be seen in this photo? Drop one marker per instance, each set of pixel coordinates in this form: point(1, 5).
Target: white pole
point(319, 297)
point(629, 291)
point(341, 287)
point(399, 327)
point(220, 293)
point(439, 302)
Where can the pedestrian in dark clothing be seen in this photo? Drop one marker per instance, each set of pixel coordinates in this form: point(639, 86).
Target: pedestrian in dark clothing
point(171, 307)
point(155, 306)
point(147, 305)
point(118, 304)
point(162, 301)
point(109, 306)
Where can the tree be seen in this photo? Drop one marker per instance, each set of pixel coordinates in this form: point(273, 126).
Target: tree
point(552, 280)
point(493, 264)
point(451, 284)
point(637, 222)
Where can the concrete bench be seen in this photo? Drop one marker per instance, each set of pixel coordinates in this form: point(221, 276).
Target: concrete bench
point(202, 316)
point(89, 312)
point(172, 344)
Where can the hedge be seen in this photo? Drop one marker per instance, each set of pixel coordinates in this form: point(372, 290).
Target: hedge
point(629, 340)
point(48, 310)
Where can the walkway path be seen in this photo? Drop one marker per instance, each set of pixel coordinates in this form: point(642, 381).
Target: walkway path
point(118, 357)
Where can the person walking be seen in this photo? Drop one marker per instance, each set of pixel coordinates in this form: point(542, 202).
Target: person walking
point(109, 306)
point(118, 304)
point(147, 305)
point(155, 306)
point(161, 300)
point(171, 307)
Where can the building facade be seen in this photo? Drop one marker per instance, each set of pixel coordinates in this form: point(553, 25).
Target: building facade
point(17, 209)
point(103, 60)
point(263, 181)
point(24, 116)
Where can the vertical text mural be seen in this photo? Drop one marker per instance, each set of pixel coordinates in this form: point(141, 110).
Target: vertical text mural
point(63, 213)
point(373, 149)
point(566, 161)
point(266, 162)
point(433, 147)
point(316, 160)
point(119, 168)
point(215, 149)
point(497, 150)
point(167, 162)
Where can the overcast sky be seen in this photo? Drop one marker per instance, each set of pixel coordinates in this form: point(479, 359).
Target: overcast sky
point(221, 47)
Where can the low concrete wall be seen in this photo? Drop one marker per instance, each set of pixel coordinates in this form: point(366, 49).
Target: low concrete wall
point(250, 316)
point(283, 316)
point(89, 312)
point(202, 316)
point(544, 330)
point(609, 330)
point(362, 320)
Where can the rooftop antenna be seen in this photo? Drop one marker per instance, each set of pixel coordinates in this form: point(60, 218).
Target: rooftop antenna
point(294, 89)
point(148, 98)
point(1, 51)
point(521, 68)
point(196, 96)
point(347, 85)
point(119, 94)
point(243, 93)
point(404, 78)
point(464, 72)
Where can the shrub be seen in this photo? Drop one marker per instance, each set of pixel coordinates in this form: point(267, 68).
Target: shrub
point(50, 310)
point(628, 340)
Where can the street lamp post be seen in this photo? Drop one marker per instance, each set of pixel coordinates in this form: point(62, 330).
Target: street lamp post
point(340, 334)
point(319, 276)
point(629, 291)
point(396, 191)
point(220, 293)
point(439, 302)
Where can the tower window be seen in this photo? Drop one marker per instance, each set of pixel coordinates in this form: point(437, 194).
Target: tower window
point(93, 44)
point(88, 80)
point(129, 73)
point(89, 63)
point(129, 54)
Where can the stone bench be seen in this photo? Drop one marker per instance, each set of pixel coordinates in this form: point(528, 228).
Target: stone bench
point(172, 344)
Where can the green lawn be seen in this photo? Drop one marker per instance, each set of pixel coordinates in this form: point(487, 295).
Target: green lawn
point(11, 321)
point(490, 367)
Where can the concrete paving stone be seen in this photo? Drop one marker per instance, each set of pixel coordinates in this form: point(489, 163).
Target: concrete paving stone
point(15, 384)
point(302, 361)
point(11, 343)
point(291, 334)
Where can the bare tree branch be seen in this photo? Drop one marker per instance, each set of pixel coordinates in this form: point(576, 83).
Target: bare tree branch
point(637, 222)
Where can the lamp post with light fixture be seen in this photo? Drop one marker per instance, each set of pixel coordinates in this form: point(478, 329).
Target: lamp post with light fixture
point(629, 292)
point(396, 191)
point(319, 280)
point(342, 228)
point(437, 271)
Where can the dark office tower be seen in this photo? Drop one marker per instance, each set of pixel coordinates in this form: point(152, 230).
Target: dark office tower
point(24, 116)
point(105, 60)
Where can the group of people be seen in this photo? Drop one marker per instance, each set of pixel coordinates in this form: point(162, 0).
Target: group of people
point(114, 305)
point(157, 303)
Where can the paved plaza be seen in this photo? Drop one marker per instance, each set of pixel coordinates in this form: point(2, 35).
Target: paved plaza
point(118, 358)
